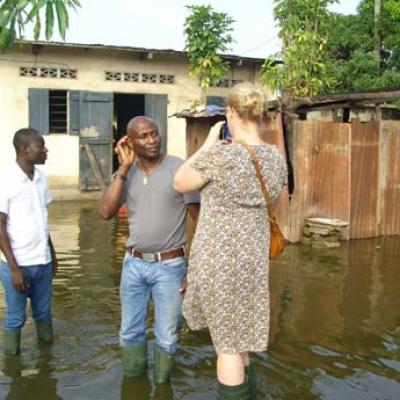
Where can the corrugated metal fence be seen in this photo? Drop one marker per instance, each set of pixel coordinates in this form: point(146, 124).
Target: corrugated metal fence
point(346, 171)
point(349, 171)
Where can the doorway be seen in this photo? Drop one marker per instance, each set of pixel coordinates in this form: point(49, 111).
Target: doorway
point(126, 107)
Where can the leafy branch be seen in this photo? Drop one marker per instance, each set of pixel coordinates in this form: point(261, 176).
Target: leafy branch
point(16, 14)
point(303, 30)
point(208, 33)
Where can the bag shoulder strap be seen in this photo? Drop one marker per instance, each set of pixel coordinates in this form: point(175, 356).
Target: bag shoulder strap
point(260, 178)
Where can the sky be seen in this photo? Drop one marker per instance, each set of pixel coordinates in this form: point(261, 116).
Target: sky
point(158, 24)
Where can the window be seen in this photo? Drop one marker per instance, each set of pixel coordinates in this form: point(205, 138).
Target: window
point(58, 111)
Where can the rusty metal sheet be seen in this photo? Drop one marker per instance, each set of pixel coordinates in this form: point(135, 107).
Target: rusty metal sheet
point(321, 163)
point(272, 132)
point(389, 193)
point(364, 179)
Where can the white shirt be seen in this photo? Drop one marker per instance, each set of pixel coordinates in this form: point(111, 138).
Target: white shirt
point(25, 202)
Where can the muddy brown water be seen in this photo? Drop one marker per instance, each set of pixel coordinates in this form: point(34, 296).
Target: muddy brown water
point(335, 328)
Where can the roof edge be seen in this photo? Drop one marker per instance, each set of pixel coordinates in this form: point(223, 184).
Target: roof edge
point(126, 48)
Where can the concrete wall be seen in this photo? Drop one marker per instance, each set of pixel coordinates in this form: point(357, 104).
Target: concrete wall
point(62, 167)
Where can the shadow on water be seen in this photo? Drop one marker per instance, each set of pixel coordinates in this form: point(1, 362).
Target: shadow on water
point(335, 325)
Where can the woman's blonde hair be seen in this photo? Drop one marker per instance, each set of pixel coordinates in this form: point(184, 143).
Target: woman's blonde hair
point(248, 100)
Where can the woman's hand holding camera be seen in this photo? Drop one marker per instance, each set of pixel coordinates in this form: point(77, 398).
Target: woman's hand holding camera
point(214, 134)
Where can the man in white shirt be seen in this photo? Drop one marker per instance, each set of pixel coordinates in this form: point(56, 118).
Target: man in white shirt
point(28, 260)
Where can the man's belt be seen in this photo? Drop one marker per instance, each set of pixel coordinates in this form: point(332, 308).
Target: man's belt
point(156, 257)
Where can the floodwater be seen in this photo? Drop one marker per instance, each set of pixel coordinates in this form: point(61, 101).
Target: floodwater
point(335, 330)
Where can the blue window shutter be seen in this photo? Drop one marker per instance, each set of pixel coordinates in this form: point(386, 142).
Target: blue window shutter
point(155, 107)
point(74, 116)
point(39, 110)
point(216, 100)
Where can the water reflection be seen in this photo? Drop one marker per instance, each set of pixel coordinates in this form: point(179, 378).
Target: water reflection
point(140, 387)
point(26, 382)
point(334, 325)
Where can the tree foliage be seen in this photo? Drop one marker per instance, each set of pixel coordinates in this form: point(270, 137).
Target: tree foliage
point(353, 62)
point(16, 14)
point(325, 52)
point(208, 33)
point(303, 28)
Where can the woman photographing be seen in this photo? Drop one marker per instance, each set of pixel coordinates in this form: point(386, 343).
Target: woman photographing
point(228, 266)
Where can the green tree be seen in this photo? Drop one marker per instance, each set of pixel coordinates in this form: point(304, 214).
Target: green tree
point(303, 28)
point(353, 60)
point(208, 33)
point(16, 14)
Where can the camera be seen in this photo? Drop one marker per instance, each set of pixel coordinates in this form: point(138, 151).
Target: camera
point(225, 134)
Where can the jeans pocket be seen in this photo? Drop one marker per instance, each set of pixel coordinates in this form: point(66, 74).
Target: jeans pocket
point(177, 262)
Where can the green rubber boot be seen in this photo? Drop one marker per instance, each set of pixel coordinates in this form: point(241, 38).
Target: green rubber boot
point(12, 342)
point(238, 392)
point(44, 331)
point(252, 379)
point(163, 363)
point(134, 360)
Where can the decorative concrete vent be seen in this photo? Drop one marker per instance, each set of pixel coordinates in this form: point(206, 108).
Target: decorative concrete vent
point(46, 72)
point(140, 77)
point(65, 73)
point(28, 71)
point(226, 83)
point(168, 79)
point(131, 77)
point(149, 78)
point(113, 76)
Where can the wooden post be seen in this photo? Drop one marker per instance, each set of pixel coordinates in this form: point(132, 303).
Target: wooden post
point(377, 39)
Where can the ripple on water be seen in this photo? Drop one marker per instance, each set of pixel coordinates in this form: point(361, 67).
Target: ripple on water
point(334, 324)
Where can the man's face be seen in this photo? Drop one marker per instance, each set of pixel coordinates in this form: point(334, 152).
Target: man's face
point(36, 151)
point(145, 139)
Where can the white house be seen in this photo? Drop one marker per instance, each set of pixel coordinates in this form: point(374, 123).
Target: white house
point(81, 97)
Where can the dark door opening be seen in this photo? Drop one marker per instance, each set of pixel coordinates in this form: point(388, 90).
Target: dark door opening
point(126, 107)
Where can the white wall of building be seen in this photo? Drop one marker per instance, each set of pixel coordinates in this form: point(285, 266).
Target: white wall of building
point(91, 64)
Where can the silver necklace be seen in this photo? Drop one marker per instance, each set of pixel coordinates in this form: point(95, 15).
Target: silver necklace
point(145, 179)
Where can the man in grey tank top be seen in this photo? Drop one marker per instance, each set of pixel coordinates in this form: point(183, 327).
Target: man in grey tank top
point(155, 263)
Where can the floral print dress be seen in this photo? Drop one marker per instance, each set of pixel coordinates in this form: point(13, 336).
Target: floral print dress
point(228, 264)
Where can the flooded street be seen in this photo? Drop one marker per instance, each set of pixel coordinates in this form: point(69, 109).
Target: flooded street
point(335, 330)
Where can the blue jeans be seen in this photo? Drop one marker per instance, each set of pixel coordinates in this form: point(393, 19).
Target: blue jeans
point(39, 278)
point(160, 281)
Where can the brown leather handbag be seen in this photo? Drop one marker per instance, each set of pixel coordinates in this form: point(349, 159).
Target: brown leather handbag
point(277, 241)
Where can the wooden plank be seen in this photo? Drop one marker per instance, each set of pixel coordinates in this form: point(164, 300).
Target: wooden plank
point(197, 130)
point(389, 187)
point(94, 165)
point(95, 129)
point(321, 167)
point(39, 110)
point(364, 179)
point(378, 96)
point(155, 106)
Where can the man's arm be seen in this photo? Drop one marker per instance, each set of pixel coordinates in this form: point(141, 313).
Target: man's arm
point(17, 277)
point(110, 200)
point(54, 259)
